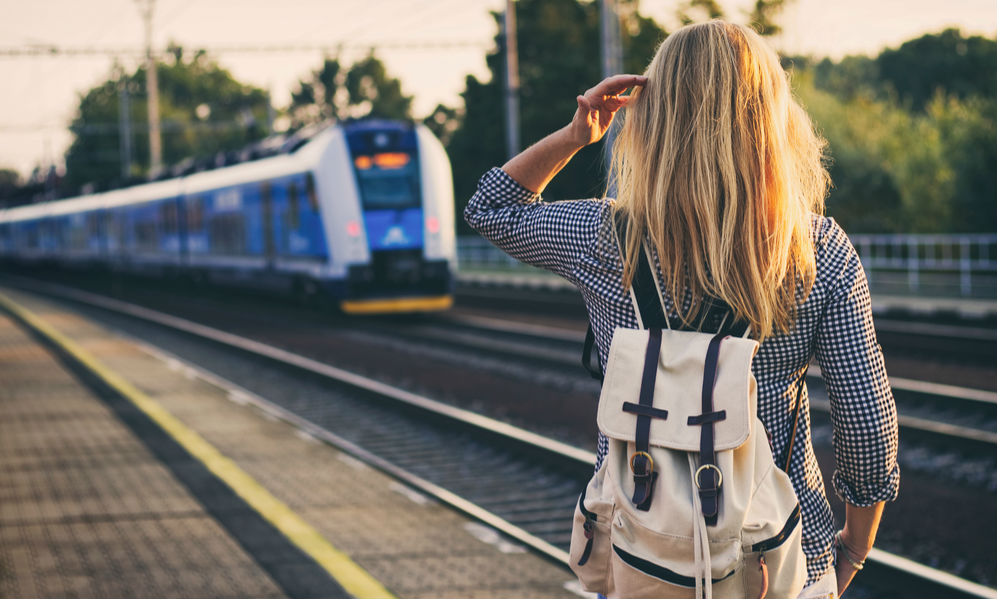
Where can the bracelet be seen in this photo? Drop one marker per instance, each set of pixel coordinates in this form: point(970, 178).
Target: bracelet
point(843, 550)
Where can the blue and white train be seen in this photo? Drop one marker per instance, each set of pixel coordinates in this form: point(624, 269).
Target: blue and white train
point(362, 212)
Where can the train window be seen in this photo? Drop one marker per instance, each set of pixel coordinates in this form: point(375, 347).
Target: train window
point(168, 216)
point(293, 205)
point(92, 224)
point(145, 235)
point(265, 193)
point(195, 214)
point(74, 231)
point(227, 232)
point(311, 192)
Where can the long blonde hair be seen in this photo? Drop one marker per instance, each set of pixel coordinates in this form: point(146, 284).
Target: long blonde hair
point(721, 168)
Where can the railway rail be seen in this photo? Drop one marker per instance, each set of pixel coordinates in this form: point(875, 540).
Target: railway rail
point(516, 481)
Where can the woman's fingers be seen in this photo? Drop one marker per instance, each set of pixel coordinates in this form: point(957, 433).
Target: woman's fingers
point(614, 85)
point(605, 95)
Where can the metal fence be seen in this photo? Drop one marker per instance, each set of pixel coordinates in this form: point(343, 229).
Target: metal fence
point(943, 265)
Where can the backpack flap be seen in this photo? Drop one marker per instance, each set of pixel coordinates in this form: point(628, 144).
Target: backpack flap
point(678, 389)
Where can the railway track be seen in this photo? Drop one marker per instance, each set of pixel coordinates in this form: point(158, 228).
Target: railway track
point(516, 481)
point(939, 336)
point(959, 417)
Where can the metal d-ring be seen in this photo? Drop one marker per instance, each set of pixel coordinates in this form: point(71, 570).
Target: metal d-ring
point(718, 474)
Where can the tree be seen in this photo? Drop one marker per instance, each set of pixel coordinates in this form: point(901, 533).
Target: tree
point(761, 18)
point(334, 93)
point(9, 180)
point(203, 111)
point(912, 133)
point(559, 56)
point(958, 65)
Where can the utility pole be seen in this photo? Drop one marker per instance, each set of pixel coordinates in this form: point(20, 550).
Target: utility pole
point(124, 126)
point(611, 64)
point(152, 92)
point(512, 84)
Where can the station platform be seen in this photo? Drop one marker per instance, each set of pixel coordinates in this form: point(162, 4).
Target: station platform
point(123, 474)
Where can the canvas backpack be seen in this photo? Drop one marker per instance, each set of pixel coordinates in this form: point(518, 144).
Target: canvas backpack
point(688, 501)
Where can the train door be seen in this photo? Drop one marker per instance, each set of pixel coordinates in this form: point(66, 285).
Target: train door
point(267, 222)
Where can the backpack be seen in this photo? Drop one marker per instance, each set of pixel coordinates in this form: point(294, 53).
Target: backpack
point(688, 501)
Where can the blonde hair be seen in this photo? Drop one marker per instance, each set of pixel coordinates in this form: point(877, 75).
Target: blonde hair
point(719, 166)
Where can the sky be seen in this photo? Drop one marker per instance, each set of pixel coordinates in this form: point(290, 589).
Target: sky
point(39, 94)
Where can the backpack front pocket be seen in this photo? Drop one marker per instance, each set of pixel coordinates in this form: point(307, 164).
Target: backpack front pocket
point(648, 564)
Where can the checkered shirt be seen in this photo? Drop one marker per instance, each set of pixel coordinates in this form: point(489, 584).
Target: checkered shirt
point(575, 239)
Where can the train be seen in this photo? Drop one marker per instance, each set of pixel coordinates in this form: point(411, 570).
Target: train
point(359, 212)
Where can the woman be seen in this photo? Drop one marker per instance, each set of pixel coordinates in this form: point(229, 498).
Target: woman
point(720, 171)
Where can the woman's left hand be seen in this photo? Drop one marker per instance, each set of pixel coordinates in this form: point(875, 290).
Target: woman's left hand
point(596, 108)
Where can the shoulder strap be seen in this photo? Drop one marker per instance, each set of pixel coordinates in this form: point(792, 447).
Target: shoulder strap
point(645, 292)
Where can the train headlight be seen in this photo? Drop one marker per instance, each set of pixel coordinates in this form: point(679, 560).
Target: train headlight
point(433, 225)
point(353, 228)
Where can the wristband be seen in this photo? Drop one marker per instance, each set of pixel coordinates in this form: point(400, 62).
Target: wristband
point(843, 550)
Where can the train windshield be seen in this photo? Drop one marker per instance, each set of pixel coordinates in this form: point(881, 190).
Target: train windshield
point(388, 180)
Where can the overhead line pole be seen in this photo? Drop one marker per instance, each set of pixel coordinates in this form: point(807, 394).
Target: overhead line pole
point(125, 126)
point(512, 84)
point(611, 64)
point(152, 92)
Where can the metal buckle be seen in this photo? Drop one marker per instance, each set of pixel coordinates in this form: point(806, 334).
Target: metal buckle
point(631, 463)
point(718, 474)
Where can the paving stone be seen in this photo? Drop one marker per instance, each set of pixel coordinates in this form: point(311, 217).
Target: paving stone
point(87, 510)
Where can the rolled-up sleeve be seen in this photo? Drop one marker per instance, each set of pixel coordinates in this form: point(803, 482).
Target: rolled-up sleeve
point(550, 235)
point(863, 411)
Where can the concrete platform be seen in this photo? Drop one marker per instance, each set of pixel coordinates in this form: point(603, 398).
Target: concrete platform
point(100, 499)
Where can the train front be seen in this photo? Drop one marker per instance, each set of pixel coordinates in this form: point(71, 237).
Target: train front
point(402, 181)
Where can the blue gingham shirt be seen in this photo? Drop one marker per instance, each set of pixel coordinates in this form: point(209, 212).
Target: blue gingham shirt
point(575, 239)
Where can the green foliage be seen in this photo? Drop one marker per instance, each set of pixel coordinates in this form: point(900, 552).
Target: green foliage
point(9, 184)
point(203, 110)
point(894, 170)
point(914, 72)
point(912, 133)
point(698, 10)
point(761, 17)
point(958, 65)
point(334, 92)
point(559, 57)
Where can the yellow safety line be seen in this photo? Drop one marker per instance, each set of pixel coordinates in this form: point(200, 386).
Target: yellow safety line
point(397, 305)
point(355, 580)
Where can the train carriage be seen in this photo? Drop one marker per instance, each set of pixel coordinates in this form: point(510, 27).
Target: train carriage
point(362, 212)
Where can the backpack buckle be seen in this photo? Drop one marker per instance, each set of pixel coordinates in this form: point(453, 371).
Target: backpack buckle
point(718, 476)
point(646, 464)
point(644, 477)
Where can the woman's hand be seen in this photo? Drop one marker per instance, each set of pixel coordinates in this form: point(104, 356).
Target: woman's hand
point(537, 165)
point(596, 108)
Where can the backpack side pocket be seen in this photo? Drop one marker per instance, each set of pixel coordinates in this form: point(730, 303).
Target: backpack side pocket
point(590, 543)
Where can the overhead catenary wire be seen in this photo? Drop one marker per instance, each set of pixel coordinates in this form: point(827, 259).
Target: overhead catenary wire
point(55, 51)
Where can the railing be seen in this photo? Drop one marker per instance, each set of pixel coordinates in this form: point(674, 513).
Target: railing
point(944, 265)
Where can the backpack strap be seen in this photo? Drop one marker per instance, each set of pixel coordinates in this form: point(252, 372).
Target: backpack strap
point(588, 353)
point(645, 292)
point(708, 477)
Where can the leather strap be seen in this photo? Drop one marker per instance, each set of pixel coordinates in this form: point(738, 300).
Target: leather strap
point(795, 420)
point(708, 477)
point(644, 286)
point(588, 351)
point(641, 463)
